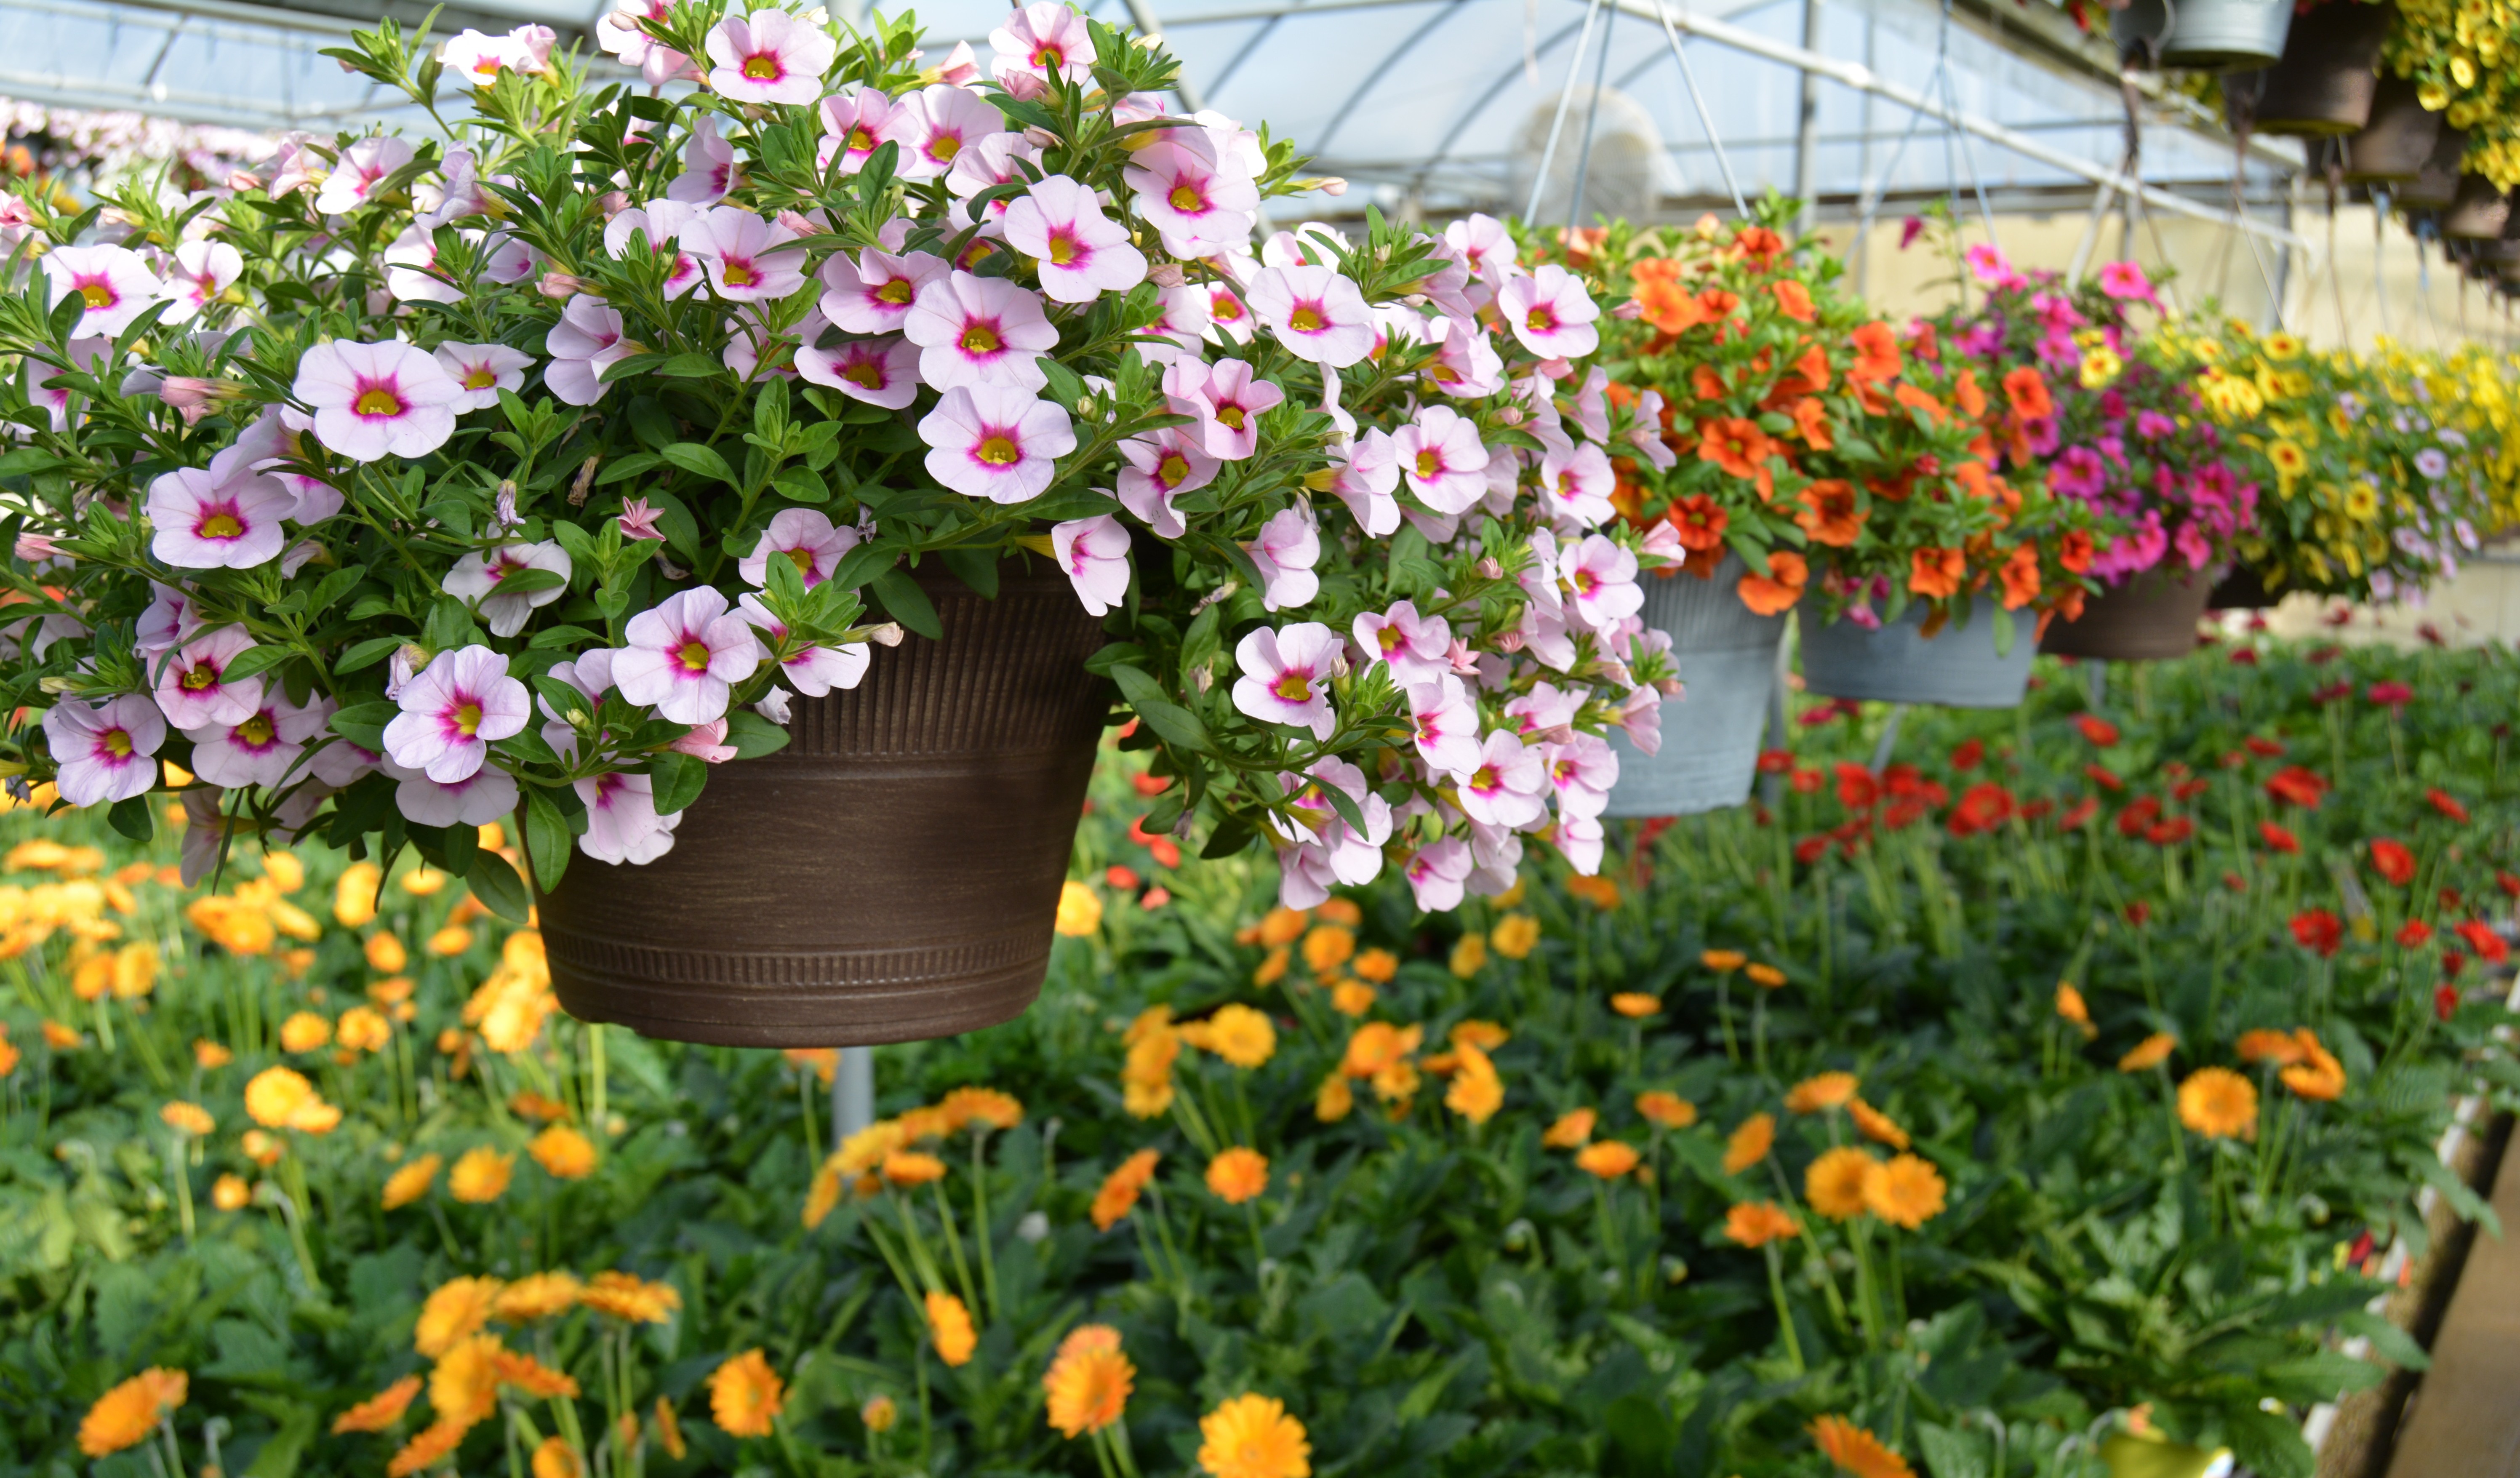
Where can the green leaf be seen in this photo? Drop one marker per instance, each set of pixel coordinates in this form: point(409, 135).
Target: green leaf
point(497, 885)
point(2271, 1442)
point(976, 568)
point(367, 653)
point(753, 736)
point(1232, 835)
point(132, 818)
point(364, 723)
point(692, 366)
point(692, 457)
point(907, 604)
point(547, 840)
point(1177, 725)
point(255, 661)
point(524, 582)
point(281, 1455)
point(676, 780)
point(1953, 1454)
point(801, 486)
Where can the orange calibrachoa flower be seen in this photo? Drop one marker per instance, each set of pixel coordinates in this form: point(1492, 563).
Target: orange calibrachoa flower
point(1252, 1437)
point(1238, 1174)
point(1749, 1143)
point(1935, 574)
point(949, 1323)
point(746, 1395)
point(1825, 1091)
point(1088, 1383)
point(2071, 1005)
point(480, 1175)
point(1834, 1182)
point(126, 1416)
point(1874, 1124)
point(1906, 1192)
point(1666, 1110)
point(2150, 1053)
point(563, 1152)
point(1778, 589)
point(2219, 1104)
point(1737, 445)
point(1756, 1224)
point(1828, 513)
point(1118, 1195)
point(381, 1410)
point(1608, 1158)
point(1572, 1127)
point(1857, 1450)
point(411, 1182)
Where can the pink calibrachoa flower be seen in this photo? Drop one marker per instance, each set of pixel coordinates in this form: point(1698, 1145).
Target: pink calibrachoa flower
point(853, 127)
point(1582, 769)
point(338, 763)
point(1436, 873)
point(1080, 252)
point(1198, 202)
point(481, 371)
point(86, 353)
point(805, 539)
point(1317, 846)
point(364, 166)
point(260, 750)
point(1413, 644)
point(874, 294)
point(1445, 726)
point(994, 160)
point(657, 227)
point(2125, 280)
point(621, 821)
point(1646, 436)
point(1043, 38)
point(996, 443)
point(811, 670)
point(412, 273)
point(170, 620)
point(478, 57)
point(1576, 485)
point(227, 517)
point(1581, 837)
point(935, 124)
point(1316, 314)
point(201, 272)
point(1505, 789)
point(881, 371)
point(1602, 574)
point(1550, 314)
point(487, 794)
point(114, 282)
point(1466, 364)
point(1230, 314)
point(978, 331)
point(1289, 546)
point(1163, 466)
point(1367, 479)
point(684, 655)
point(585, 343)
point(1483, 245)
point(1442, 459)
point(386, 399)
point(1095, 552)
point(106, 750)
point(617, 31)
point(743, 255)
point(770, 57)
point(1227, 401)
point(1286, 676)
point(459, 703)
point(193, 687)
point(708, 167)
point(477, 576)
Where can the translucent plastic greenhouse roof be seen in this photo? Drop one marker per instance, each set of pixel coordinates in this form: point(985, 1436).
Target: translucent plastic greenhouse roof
point(1432, 104)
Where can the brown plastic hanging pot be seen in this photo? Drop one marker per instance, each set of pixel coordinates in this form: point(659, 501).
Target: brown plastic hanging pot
point(2478, 212)
point(2203, 36)
point(2324, 83)
point(2150, 617)
point(2244, 588)
point(2435, 185)
point(892, 875)
point(2398, 140)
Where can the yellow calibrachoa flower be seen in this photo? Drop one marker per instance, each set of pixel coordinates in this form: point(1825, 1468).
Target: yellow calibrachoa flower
point(1080, 910)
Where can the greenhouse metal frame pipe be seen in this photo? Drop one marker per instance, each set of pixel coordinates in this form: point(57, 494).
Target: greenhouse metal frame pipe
point(1861, 78)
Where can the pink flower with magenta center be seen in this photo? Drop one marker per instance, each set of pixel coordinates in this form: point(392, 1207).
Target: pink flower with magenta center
point(769, 57)
point(996, 443)
point(1045, 38)
point(1079, 252)
point(376, 400)
point(683, 657)
point(193, 687)
point(452, 711)
point(978, 331)
point(106, 750)
point(1286, 676)
point(874, 294)
point(1095, 552)
point(1442, 459)
point(805, 539)
point(227, 517)
point(113, 283)
point(1316, 314)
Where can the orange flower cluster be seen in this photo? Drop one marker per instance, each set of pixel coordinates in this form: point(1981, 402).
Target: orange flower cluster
point(870, 1158)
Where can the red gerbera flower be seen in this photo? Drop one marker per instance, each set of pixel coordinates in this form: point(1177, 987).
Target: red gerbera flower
point(2278, 838)
point(2100, 731)
point(2393, 861)
point(2318, 930)
point(2446, 804)
point(2298, 786)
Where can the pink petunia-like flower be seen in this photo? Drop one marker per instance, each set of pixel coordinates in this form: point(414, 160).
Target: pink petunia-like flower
point(980, 331)
point(225, 518)
point(106, 750)
point(269, 445)
point(585, 343)
point(811, 670)
point(770, 57)
point(1199, 202)
point(1316, 314)
point(1482, 245)
point(1227, 400)
point(617, 31)
point(412, 273)
point(881, 371)
point(478, 57)
point(1079, 252)
point(371, 401)
point(1317, 846)
point(852, 127)
point(1286, 676)
point(1414, 646)
point(487, 794)
point(1582, 769)
point(477, 578)
point(1366, 479)
point(1551, 313)
point(708, 167)
point(199, 273)
point(1603, 574)
point(996, 443)
point(2126, 282)
point(621, 821)
point(657, 227)
point(114, 283)
point(481, 371)
point(1436, 873)
point(1228, 313)
point(193, 687)
point(170, 620)
point(1576, 485)
point(1508, 785)
point(1289, 546)
point(988, 162)
point(1445, 726)
point(1441, 458)
point(683, 657)
point(935, 124)
point(452, 711)
point(1646, 436)
point(260, 751)
point(1043, 39)
point(805, 539)
point(874, 294)
point(743, 255)
point(364, 166)
point(1163, 466)
point(1467, 365)
point(1095, 552)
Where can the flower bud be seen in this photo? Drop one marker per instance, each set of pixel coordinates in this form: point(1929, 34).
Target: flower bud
point(886, 634)
point(1039, 137)
point(1330, 184)
point(1489, 569)
point(561, 286)
point(1167, 275)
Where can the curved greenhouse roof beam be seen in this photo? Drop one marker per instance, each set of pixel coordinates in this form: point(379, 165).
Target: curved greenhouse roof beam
point(1382, 69)
point(1479, 107)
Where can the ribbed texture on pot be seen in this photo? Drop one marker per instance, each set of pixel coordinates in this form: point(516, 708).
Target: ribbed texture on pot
point(1726, 655)
point(1958, 667)
point(2151, 618)
point(892, 875)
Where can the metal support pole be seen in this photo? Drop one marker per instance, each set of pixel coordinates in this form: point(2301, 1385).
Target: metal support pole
point(1889, 737)
point(1772, 787)
point(852, 1094)
point(1807, 128)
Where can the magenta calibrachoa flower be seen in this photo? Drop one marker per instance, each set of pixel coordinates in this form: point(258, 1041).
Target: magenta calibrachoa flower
point(106, 750)
point(114, 283)
point(453, 712)
point(996, 443)
point(1095, 552)
point(1286, 676)
point(376, 400)
point(769, 57)
point(682, 656)
point(225, 518)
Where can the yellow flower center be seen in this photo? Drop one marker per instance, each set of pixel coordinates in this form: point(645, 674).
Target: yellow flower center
point(199, 678)
point(1484, 777)
point(802, 558)
point(1541, 321)
point(1294, 686)
point(694, 655)
point(1172, 470)
point(737, 275)
point(761, 69)
point(220, 527)
point(896, 292)
point(256, 731)
point(945, 146)
point(861, 141)
point(98, 295)
point(468, 719)
point(1230, 415)
point(379, 401)
point(1428, 464)
point(117, 743)
point(1061, 250)
point(979, 338)
point(865, 372)
point(480, 378)
point(1184, 197)
point(1000, 451)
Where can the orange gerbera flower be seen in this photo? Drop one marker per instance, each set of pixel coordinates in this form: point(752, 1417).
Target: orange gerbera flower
point(1906, 1192)
point(381, 1410)
point(126, 1416)
point(430, 1445)
point(2149, 1053)
point(2071, 1005)
point(1735, 444)
point(1834, 1182)
point(2219, 1104)
point(1238, 1174)
point(1118, 1195)
point(1874, 1124)
point(1935, 574)
point(1749, 1143)
point(1828, 513)
point(1822, 1091)
point(1776, 592)
point(1609, 1159)
point(2281, 1049)
point(1756, 1224)
point(1666, 1110)
point(1857, 1450)
point(1252, 1437)
point(2318, 1075)
point(948, 1322)
point(1573, 1128)
point(745, 1394)
point(1086, 1386)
